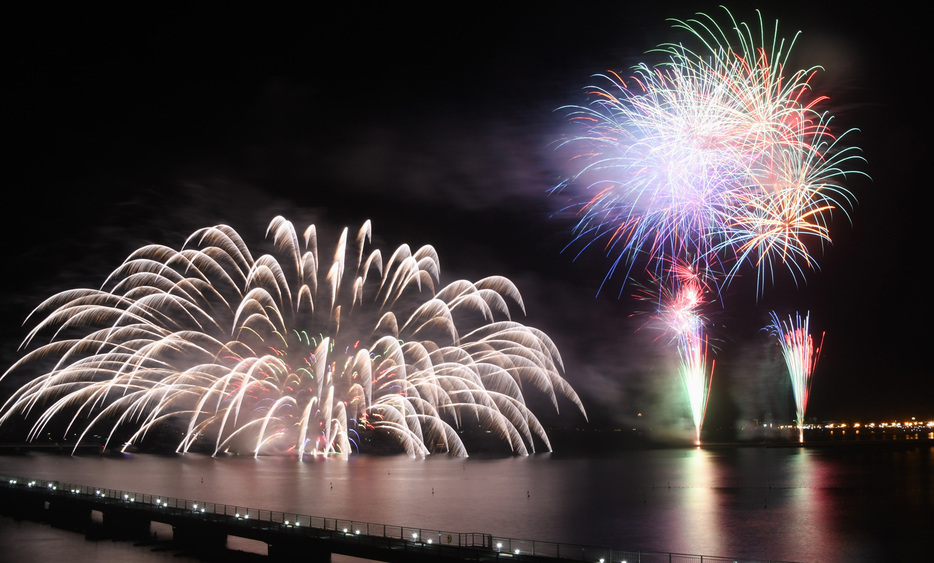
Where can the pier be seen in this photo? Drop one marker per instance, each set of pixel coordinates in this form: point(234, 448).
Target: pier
point(202, 528)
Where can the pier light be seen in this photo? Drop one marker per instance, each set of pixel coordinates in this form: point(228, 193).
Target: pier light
point(237, 515)
point(414, 535)
point(499, 545)
point(195, 506)
point(602, 560)
point(125, 496)
point(345, 530)
point(517, 551)
point(429, 542)
point(246, 516)
point(202, 510)
point(357, 532)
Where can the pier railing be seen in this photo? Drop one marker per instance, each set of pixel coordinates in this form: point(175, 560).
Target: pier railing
point(340, 529)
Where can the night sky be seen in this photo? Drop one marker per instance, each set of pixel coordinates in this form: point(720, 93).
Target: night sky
point(135, 127)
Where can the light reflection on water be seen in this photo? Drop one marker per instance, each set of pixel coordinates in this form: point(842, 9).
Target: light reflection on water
point(698, 518)
point(794, 504)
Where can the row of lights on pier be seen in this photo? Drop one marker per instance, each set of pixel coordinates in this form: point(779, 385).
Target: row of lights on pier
point(164, 504)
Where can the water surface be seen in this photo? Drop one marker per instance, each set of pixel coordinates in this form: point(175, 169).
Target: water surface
point(834, 503)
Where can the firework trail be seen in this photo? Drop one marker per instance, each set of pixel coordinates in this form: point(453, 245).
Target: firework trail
point(291, 352)
point(680, 315)
point(719, 152)
point(801, 358)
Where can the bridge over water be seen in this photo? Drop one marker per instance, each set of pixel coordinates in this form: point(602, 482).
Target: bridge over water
point(203, 528)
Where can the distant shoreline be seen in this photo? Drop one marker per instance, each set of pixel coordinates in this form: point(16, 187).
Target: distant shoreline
point(594, 440)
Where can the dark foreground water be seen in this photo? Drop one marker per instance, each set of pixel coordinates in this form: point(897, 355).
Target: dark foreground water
point(870, 502)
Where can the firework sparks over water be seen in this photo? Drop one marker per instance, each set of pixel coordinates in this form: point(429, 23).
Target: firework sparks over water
point(720, 156)
point(294, 352)
point(801, 358)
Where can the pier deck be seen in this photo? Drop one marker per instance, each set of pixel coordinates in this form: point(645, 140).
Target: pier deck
point(204, 527)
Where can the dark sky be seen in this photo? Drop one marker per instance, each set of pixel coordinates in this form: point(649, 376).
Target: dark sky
point(439, 125)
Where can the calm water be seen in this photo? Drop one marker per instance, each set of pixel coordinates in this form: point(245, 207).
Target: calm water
point(834, 503)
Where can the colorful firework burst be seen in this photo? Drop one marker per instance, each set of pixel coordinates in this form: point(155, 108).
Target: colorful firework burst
point(720, 152)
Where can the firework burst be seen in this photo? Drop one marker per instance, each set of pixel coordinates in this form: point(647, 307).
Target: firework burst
point(720, 152)
point(291, 352)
